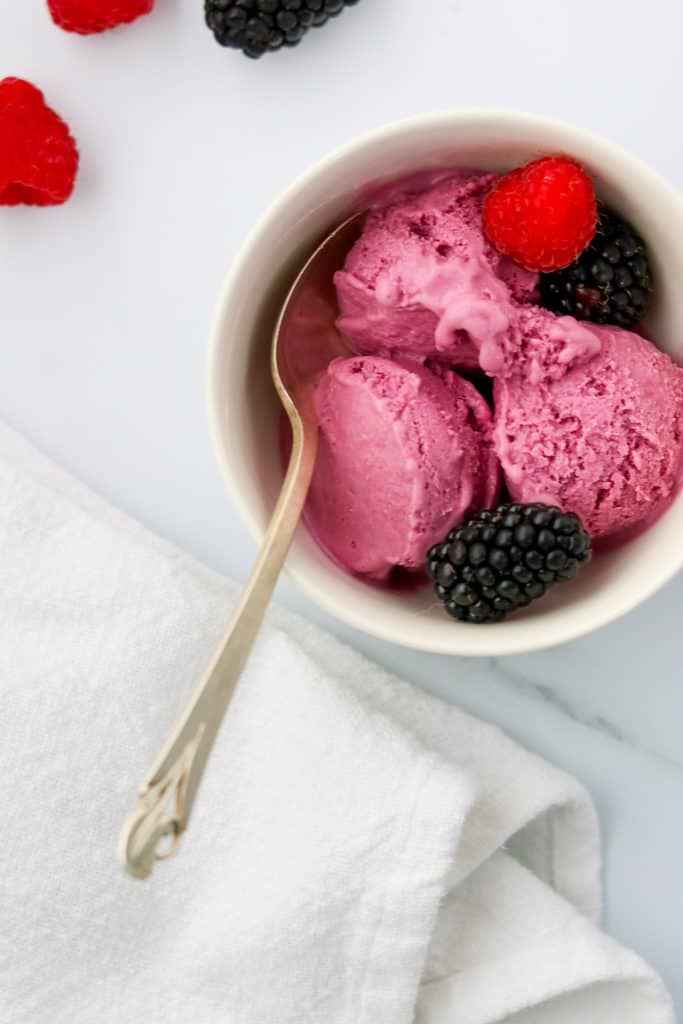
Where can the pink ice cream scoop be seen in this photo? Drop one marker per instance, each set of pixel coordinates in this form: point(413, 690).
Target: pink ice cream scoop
point(424, 281)
point(405, 453)
point(604, 440)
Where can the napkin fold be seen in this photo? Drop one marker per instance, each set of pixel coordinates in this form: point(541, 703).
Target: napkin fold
point(360, 853)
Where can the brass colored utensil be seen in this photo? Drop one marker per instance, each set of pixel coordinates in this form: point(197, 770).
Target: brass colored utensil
point(305, 341)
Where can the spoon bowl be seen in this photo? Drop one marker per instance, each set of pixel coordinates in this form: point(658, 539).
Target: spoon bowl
point(306, 338)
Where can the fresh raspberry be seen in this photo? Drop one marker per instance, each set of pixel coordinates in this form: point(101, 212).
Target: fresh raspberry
point(87, 16)
point(543, 215)
point(38, 156)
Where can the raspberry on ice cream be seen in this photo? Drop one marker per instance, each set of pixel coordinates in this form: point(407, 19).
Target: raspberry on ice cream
point(542, 215)
point(405, 454)
point(605, 440)
point(424, 281)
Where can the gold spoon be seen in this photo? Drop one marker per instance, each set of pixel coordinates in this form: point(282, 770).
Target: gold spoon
point(304, 343)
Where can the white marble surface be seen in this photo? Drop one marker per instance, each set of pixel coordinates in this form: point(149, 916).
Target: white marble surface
point(105, 305)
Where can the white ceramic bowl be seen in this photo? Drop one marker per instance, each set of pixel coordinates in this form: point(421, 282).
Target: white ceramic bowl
point(244, 411)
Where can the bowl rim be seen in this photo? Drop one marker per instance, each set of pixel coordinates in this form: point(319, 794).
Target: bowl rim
point(561, 633)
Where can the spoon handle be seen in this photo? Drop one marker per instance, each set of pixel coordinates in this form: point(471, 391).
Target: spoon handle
point(167, 794)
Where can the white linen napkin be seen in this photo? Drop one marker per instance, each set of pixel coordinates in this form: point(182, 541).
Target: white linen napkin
point(360, 853)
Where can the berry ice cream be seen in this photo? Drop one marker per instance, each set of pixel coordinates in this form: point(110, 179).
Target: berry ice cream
point(603, 440)
point(587, 417)
point(405, 452)
point(423, 280)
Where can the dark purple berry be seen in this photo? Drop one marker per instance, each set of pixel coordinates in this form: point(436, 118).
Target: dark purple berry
point(501, 560)
point(258, 26)
point(609, 283)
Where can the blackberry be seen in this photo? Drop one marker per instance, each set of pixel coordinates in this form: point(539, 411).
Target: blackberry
point(610, 282)
point(257, 26)
point(504, 559)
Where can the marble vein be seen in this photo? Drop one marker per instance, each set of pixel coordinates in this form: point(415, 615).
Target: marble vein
point(578, 711)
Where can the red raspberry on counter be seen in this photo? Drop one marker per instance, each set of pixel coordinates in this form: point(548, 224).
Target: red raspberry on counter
point(87, 16)
point(542, 215)
point(38, 155)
